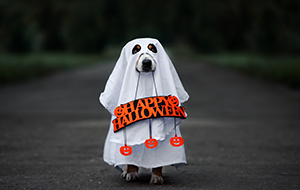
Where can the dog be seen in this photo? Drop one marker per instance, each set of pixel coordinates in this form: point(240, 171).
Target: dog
point(139, 58)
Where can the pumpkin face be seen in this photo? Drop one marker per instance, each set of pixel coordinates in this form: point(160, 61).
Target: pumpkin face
point(151, 143)
point(126, 150)
point(119, 111)
point(176, 141)
point(173, 100)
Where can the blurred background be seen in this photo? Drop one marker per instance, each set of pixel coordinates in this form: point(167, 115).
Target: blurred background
point(240, 34)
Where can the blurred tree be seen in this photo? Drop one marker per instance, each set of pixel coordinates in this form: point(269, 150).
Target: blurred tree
point(11, 33)
point(84, 26)
point(267, 26)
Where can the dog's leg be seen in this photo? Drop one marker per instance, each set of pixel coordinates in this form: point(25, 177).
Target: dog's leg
point(124, 173)
point(156, 176)
point(130, 173)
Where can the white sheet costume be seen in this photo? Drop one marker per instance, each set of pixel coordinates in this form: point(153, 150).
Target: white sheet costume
point(121, 88)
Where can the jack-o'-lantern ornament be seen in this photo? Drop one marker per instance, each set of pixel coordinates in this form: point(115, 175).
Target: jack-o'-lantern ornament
point(151, 143)
point(173, 100)
point(125, 150)
point(119, 111)
point(176, 141)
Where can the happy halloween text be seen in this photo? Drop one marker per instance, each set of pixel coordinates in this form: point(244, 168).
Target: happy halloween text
point(153, 107)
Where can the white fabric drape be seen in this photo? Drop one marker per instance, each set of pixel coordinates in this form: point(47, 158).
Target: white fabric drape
point(121, 88)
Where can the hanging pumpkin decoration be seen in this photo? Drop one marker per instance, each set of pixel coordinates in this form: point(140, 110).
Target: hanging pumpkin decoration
point(176, 141)
point(126, 150)
point(151, 143)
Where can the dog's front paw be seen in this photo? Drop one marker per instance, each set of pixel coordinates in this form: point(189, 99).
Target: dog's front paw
point(156, 180)
point(124, 174)
point(133, 176)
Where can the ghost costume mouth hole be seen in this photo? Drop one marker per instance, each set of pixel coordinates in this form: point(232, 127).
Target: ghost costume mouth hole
point(145, 63)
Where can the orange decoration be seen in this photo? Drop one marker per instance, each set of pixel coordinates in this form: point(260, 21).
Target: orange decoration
point(145, 108)
point(126, 150)
point(151, 143)
point(118, 112)
point(173, 100)
point(176, 141)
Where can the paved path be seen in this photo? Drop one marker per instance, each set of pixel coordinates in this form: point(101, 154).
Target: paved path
point(241, 133)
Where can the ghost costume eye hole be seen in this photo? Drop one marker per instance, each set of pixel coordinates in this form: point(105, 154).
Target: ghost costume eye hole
point(152, 48)
point(136, 49)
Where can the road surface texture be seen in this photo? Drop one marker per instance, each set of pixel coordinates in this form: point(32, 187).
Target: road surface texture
point(241, 133)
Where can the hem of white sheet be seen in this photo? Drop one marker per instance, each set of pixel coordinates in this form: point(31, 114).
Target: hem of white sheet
point(121, 167)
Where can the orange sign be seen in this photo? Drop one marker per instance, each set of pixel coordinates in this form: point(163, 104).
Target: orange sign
point(145, 108)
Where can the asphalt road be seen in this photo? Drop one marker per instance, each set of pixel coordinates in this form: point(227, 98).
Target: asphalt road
point(241, 133)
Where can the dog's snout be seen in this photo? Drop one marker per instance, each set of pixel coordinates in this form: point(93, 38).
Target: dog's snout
point(147, 63)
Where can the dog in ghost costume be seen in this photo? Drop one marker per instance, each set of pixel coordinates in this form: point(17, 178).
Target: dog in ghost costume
point(143, 70)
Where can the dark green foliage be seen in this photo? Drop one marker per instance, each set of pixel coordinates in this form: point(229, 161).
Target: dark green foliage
point(19, 67)
point(283, 69)
point(268, 26)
